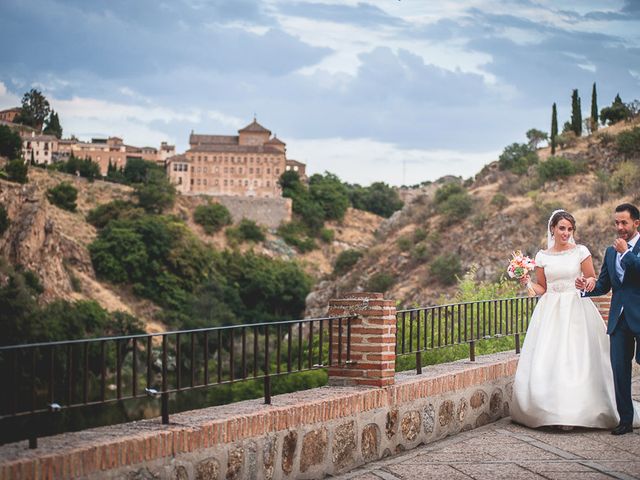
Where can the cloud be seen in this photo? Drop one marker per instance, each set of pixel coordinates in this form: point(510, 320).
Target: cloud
point(363, 160)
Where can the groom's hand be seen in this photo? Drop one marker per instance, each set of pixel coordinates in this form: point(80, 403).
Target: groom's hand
point(620, 245)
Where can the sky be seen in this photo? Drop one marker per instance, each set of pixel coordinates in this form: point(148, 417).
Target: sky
point(399, 91)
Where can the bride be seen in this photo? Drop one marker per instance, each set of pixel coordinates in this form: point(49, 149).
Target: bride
point(564, 375)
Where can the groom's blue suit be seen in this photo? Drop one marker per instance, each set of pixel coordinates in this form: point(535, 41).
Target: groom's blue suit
point(624, 321)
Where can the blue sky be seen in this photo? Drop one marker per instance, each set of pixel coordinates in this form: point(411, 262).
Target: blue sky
point(400, 91)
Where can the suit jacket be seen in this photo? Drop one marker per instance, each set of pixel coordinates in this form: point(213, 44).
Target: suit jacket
point(626, 293)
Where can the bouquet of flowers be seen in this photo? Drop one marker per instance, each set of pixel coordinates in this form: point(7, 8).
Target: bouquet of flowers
point(519, 266)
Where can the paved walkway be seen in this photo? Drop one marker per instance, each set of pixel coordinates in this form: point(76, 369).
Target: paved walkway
point(504, 450)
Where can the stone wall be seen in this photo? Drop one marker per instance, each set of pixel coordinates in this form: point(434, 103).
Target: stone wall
point(306, 434)
point(270, 212)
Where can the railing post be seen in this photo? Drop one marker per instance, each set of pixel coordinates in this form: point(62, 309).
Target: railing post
point(369, 338)
point(517, 335)
point(164, 395)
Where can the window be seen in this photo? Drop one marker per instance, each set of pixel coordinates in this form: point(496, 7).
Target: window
point(193, 169)
point(231, 182)
point(232, 169)
point(204, 182)
point(277, 171)
point(258, 170)
point(226, 169)
point(179, 180)
point(204, 170)
point(250, 169)
point(206, 159)
point(268, 183)
point(192, 181)
point(295, 168)
point(217, 169)
point(215, 182)
point(246, 183)
point(239, 169)
point(199, 182)
point(225, 183)
point(268, 170)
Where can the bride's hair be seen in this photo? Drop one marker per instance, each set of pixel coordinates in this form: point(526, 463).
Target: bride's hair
point(561, 215)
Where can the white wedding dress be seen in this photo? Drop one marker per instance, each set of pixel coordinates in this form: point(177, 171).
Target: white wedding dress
point(564, 373)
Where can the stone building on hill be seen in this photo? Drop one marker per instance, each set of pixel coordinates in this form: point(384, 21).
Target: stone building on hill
point(247, 164)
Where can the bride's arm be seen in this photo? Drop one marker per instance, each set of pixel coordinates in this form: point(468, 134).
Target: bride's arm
point(589, 273)
point(540, 285)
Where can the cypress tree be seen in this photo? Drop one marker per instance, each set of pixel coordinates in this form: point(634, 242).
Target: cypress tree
point(594, 109)
point(554, 128)
point(576, 113)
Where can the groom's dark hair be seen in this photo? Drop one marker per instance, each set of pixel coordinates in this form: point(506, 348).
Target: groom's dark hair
point(632, 209)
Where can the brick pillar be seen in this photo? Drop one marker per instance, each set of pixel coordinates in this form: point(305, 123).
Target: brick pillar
point(373, 340)
point(603, 303)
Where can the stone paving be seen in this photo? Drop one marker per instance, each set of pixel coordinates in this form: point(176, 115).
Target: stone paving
point(504, 450)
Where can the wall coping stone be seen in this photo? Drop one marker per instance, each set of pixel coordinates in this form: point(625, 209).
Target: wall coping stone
point(105, 448)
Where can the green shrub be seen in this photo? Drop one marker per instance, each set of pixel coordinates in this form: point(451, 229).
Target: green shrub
point(456, 207)
point(446, 268)
point(380, 282)
point(404, 243)
point(327, 235)
point(345, 261)
point(420, 252)
point(628, 142)
point(17, 171)
point(247, 230)
point(295, 234)
point(4, 219)
point(212, 217)
point(626, 179)
point(100, 216)
point(500, 200)
point(556, 167)
point(419, 234)
point(63, 195)
point(446, 191)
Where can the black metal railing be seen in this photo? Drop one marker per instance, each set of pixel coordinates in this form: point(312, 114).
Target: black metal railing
point(422, 329)
point(45, 378)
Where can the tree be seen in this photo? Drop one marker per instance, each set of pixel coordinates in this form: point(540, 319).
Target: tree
point(17, 171)
point(331, 194)
point(53, 126)
point(594, 109)
point(35, 109)
point(10, 143)
point(378, 198)
point(617, 112)
point(137, 170)
point(64, 195)
point(157, 193)
point(576, 113)
point(554, 128)
point(535, 137)
point(517, 158)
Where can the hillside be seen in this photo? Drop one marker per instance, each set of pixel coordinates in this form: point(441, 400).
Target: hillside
point(53, 242)
point(508, 212)
point(414, 256)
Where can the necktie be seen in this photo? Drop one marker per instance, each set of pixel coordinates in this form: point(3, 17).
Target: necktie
point(619, 266)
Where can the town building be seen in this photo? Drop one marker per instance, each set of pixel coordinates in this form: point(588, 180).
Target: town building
point(39, 148)
point(10, 114)
point(247, 164)
point(298, 167)
point(102, 151)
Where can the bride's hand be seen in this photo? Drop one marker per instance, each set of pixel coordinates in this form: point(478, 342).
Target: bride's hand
point(589, 284)
point(525, 280)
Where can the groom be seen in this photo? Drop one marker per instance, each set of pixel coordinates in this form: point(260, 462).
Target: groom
point(621, 272)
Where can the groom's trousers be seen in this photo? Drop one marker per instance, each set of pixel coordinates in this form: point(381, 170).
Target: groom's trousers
point(622, 342)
